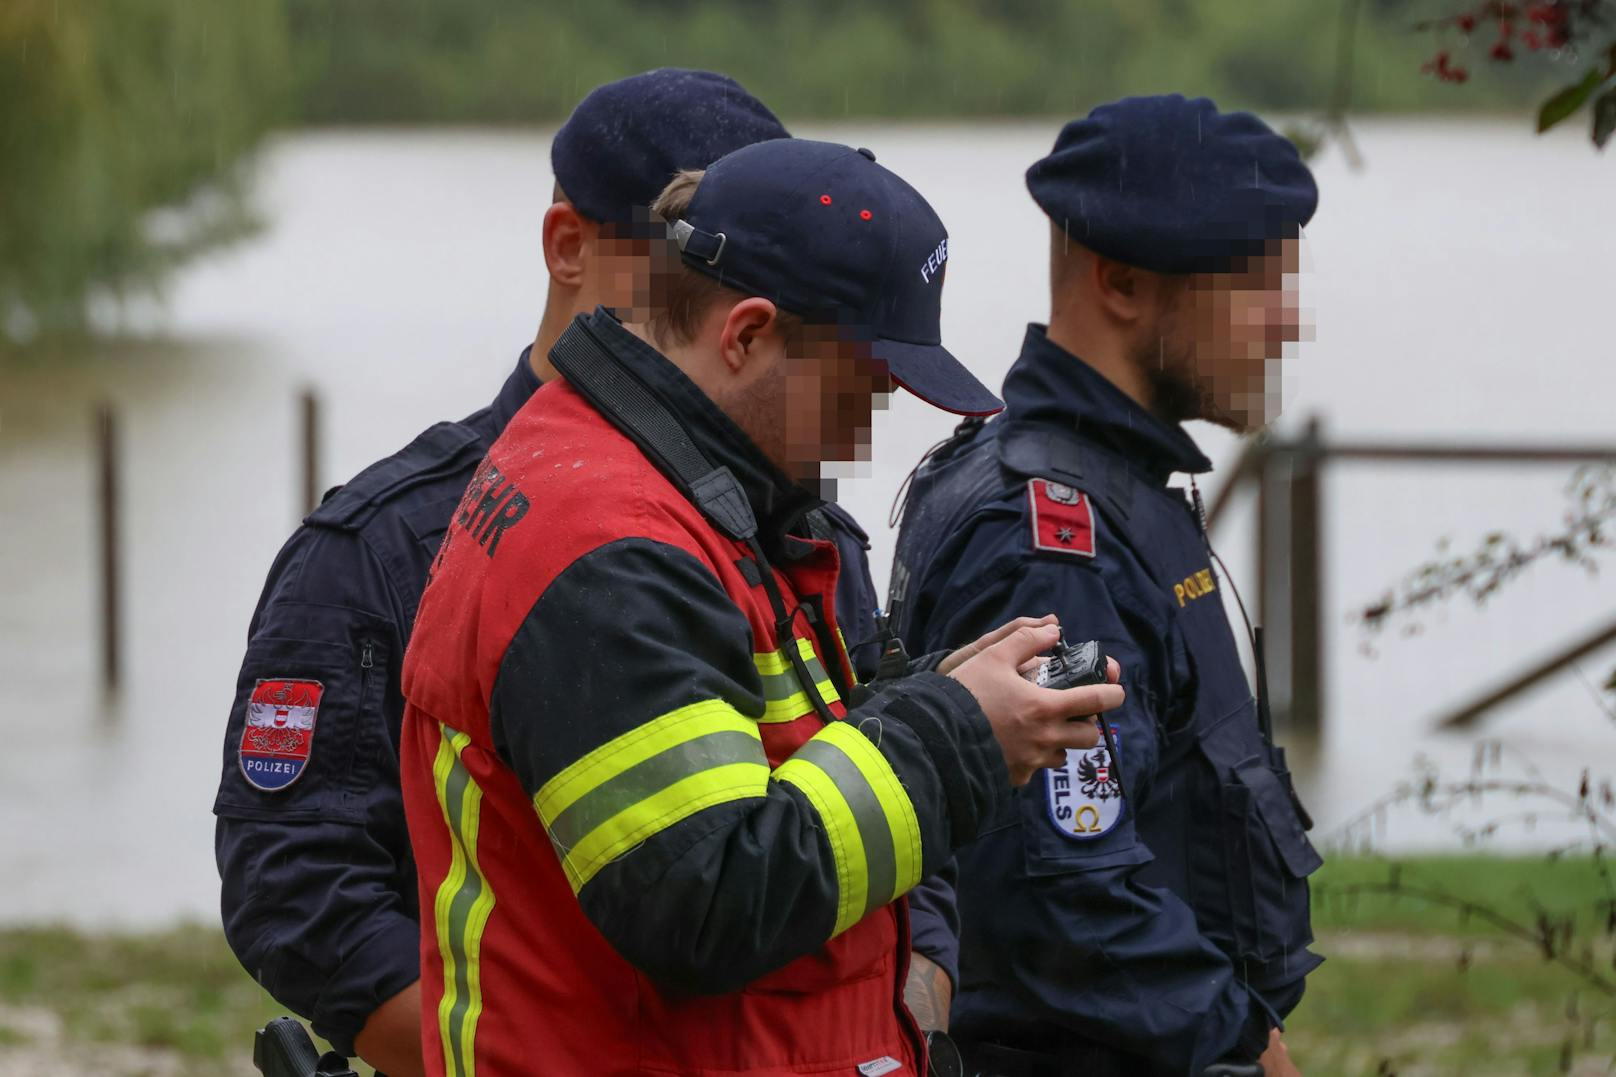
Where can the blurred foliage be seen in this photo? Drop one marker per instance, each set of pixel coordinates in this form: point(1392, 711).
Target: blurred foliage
point(1575, 34)
point(372, 61)
point(110, 109)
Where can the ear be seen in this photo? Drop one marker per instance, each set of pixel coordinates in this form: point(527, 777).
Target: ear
point(1119, 287)
point(747, 328)
point(567, 234)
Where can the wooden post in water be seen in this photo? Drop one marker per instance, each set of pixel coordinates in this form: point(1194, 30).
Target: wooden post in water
point(1290, 577)
point(1273, 573)
point(309, 414)
point(110, 555)
point(1306, 644)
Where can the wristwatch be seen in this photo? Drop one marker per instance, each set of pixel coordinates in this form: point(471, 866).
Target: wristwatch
point(943, 1058)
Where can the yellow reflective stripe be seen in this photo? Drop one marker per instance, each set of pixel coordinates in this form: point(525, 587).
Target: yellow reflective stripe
point(868, 819)
point(841, 829)
point(785, 699)
point(772, 663)
point(461, 906)
point(896, 806)
point(638, 744)
point(648, 779)
point(682, 799)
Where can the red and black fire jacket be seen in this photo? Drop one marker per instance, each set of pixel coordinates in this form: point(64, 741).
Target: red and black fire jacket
point(641, 849)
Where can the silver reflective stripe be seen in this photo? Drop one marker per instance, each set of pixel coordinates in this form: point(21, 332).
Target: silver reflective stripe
point(874, 831)
point(778, 686)
point(649, 777)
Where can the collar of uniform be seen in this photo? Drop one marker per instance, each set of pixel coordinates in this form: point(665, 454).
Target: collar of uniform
point(522, 384)
point(778, 502)
point(1049, 383)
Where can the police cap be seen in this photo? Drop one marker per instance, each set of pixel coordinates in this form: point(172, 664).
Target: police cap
point(1173, 185)
point(626, 139)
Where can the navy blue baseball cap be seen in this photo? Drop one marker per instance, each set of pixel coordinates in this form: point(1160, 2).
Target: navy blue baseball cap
point(1173, 185)
point(626, 139)
point(826, 233)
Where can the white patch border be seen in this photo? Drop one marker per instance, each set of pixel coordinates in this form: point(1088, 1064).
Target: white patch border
point(1049, 794)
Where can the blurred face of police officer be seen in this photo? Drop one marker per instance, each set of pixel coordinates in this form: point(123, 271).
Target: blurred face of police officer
point(594, 264)
point(1202, 346)
point(1211, 345)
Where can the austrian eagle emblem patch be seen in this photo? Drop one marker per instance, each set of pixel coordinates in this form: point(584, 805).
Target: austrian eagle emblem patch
point(1085, 796)
point(279, 734)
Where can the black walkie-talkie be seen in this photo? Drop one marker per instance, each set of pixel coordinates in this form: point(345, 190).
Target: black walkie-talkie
point(283, 1048)
point(1075, 665)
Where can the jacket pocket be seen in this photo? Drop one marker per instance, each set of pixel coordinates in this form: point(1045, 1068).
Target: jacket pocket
point(349, 664)
point(1266, 854)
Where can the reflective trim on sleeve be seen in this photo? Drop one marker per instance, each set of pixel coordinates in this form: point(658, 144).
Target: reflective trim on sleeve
point(868, 818)
point(785, 700)
point(646, 780)
point(461, 908)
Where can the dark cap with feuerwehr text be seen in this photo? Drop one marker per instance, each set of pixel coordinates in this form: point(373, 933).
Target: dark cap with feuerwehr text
point(827, 233)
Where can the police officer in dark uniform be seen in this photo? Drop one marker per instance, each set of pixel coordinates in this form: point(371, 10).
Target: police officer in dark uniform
point(319, 891)
point(1143, 909)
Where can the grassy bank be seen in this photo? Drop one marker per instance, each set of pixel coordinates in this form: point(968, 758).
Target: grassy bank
point(1412, 986)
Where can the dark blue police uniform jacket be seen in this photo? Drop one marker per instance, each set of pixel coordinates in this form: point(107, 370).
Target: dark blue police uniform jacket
point(319, 890)
point(1167, 929)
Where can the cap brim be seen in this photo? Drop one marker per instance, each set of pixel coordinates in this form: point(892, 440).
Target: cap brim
point(935, 376)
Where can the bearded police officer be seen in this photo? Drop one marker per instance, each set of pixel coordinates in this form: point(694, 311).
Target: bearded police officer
point(319, 890)
point(1143, 908)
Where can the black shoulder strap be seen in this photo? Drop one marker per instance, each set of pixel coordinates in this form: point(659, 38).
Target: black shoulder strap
point(631, 407)
point(1048, 451)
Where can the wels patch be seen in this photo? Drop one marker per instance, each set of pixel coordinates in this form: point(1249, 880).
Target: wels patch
point(279, 736)
point(1084, 796)
point(1061, 518)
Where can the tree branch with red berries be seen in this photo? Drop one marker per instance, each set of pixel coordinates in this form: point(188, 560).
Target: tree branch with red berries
point(1579, 33)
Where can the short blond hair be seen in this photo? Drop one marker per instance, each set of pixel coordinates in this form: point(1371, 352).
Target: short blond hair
point(681, 299)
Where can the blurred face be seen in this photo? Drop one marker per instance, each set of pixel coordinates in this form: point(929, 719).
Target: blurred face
point(833, 386)
point(1215, 348)
point(616, 272)
point(814, 402)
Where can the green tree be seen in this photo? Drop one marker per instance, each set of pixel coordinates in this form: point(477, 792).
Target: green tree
point(111, 110)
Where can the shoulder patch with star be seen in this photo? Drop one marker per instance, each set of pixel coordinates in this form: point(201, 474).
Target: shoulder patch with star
point(1062, 521)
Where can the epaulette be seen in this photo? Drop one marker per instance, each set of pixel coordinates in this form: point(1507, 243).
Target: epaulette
point(1047, 451)
point(439, 451)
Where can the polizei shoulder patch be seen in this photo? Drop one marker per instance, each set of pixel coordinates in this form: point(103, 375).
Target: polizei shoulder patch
point(1061, 518)
point(1084, 796)
point(279, 734)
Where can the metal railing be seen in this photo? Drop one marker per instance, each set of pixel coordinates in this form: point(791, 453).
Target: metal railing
point(1288, 473)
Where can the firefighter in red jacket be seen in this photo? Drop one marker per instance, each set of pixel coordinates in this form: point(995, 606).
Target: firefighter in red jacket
point(659, 827)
